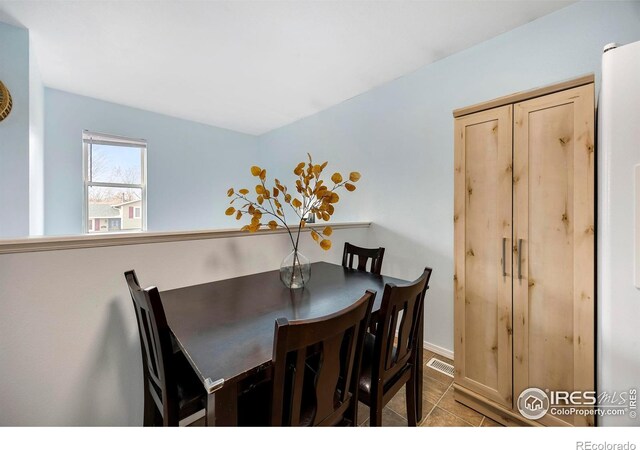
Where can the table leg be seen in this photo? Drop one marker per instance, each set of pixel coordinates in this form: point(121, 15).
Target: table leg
point(214, 390)
point(210, 418)
point(419, 366)
point(227, 406)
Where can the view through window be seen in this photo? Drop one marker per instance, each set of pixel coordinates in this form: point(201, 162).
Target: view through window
point(114, 183)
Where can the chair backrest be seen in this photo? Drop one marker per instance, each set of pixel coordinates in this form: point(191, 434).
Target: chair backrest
point(316, 367)
point(155, 340)
point(364, 254)
point(400, 310)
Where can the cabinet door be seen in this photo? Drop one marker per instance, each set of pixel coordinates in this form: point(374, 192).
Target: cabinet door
point(482, 227)
point(554, 229)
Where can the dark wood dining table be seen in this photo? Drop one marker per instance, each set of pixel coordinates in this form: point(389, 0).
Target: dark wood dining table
point(226, 328)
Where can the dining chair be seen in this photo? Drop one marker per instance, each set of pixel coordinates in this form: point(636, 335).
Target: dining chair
point(364, 254)
point(316, 367)
point(389, 363)
point(171, 387)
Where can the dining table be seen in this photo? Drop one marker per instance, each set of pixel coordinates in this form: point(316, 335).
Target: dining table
point(225, 328)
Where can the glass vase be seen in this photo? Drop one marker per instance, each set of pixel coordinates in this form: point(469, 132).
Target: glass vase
point(295, 270)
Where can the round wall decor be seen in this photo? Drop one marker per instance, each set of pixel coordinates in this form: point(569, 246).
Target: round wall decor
point(5, 102)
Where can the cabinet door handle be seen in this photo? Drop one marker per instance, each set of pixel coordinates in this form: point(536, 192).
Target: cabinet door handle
point(504, 256)
point(519, 259)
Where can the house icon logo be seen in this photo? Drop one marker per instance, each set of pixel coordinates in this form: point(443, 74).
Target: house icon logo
point(533, 403)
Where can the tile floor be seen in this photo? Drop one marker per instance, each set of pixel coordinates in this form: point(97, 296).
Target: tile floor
point(439, 409)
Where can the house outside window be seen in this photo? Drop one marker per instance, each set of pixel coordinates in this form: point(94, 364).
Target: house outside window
point(115, 188)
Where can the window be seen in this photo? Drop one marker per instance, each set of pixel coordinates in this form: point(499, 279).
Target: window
point(115, 188)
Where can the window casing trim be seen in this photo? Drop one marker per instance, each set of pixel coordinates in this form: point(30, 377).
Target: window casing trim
point(120, 141)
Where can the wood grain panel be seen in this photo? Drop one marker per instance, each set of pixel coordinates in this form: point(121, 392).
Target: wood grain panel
point(550, 246)
point(482, 222)
point(554, 218)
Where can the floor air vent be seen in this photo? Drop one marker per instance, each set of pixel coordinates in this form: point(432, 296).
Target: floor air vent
point(441, 366)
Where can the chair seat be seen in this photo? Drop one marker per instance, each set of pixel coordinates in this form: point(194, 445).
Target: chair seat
point(368, 358)
point(191, 393)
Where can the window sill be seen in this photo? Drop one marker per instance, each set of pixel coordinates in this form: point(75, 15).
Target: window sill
point(48, 243)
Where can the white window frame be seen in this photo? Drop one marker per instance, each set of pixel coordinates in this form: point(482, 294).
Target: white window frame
point(137, 211)
point(88, 139)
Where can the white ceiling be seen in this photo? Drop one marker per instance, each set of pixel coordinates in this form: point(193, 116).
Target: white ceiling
point(250, 66)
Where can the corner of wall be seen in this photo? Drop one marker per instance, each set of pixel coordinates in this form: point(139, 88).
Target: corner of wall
point(36, 147)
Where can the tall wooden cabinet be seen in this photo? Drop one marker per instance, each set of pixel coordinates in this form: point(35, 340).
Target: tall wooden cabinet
point(524, 249)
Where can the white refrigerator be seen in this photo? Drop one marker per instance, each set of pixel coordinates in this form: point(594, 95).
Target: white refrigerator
point(618, 246)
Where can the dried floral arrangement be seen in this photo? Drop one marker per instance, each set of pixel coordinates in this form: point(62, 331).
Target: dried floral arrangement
point(312, 197)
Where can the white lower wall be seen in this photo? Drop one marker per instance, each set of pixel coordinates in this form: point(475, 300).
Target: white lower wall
point(70, 348)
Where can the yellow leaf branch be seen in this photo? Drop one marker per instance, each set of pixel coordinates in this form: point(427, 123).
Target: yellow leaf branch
point(315, 199)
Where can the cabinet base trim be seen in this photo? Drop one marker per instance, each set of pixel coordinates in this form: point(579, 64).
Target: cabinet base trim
point(490, 409)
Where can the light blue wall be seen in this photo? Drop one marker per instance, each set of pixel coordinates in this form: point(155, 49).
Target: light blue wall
point(189, 166)
point(400, 135)
point(14, 133)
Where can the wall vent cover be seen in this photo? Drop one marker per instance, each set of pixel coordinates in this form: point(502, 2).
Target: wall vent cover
point(441, 366)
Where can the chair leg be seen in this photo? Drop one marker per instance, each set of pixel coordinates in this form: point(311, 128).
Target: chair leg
point(352, 414)
point(149, 408)
point(412, 412)
point(158, 420)
point(170, 417)
point(375, 416)
point(375, 411)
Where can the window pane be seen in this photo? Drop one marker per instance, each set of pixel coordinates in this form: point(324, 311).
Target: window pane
point(113, 209)
point(114, 164)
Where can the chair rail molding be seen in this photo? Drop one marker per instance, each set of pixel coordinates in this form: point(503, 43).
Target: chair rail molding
point(47, 243)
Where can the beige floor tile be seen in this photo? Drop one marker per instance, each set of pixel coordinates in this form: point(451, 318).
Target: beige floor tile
point(433, 390)
point(467, 414)
point(399, 404)
point(363, 413)
point(427, 355)
point(490, 423)
point(389, 419)
point(441, 418)
point(201, 422)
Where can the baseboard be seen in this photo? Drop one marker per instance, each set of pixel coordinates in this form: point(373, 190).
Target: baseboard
point(437, 350)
